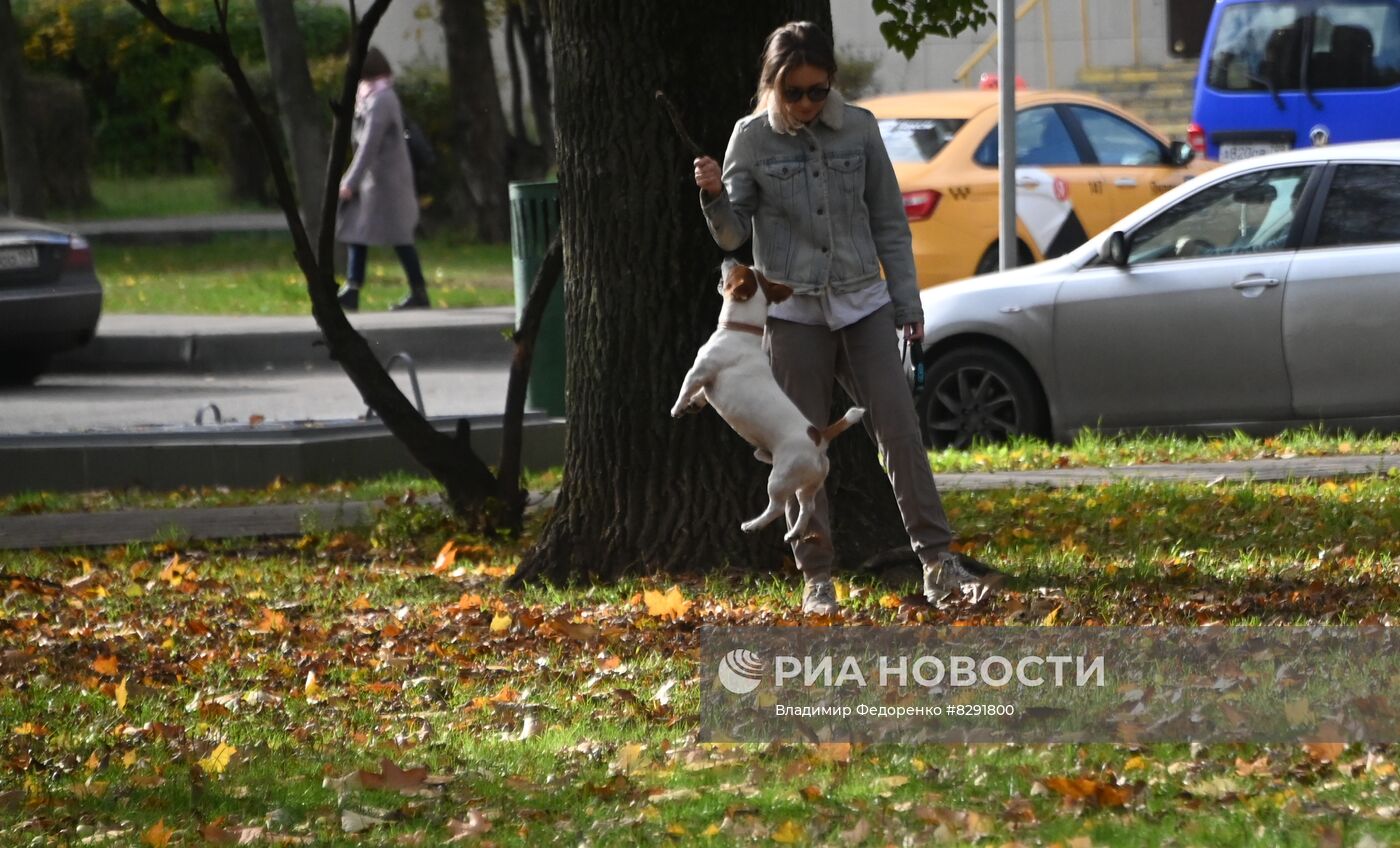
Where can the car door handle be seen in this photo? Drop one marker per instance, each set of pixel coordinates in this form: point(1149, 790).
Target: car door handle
point(1255, 283)
point(1027, 182)
point(1125, 182)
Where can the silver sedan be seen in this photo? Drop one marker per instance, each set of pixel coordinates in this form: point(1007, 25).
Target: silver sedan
point(1262, 295)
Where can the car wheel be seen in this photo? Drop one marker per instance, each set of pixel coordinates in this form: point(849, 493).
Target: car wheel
point(990, 262)
point(21, 369)
point(979, 394)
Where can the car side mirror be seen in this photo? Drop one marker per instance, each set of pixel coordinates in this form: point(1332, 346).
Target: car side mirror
point(1114, 249)
point(1182, 154)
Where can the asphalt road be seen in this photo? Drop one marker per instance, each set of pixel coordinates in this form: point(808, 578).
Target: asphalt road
point(66, 403)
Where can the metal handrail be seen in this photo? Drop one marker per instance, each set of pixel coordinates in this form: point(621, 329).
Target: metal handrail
point(990, 44)
point(402, 356)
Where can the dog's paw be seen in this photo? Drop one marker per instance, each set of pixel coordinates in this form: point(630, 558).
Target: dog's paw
point(763, 456)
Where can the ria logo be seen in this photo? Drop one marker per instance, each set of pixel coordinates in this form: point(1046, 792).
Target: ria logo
point(741, 671)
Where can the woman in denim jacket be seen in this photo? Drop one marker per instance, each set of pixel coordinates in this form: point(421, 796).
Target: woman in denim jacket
point(807, 177)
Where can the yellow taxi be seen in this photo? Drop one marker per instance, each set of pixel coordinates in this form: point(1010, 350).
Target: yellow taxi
point(1082, 163)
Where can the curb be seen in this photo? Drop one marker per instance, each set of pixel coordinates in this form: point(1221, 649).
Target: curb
point(185, 344)
point(245, 457)
point(189, 229)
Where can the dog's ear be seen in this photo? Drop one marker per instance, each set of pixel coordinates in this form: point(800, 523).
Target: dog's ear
point(741, 284)
point(775, 292)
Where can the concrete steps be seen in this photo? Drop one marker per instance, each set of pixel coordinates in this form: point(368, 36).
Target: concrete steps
point(1162, 96)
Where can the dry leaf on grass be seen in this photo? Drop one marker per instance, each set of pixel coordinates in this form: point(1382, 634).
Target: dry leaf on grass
point(475, 825)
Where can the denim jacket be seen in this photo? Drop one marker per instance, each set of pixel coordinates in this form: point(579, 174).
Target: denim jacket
point(821, 203)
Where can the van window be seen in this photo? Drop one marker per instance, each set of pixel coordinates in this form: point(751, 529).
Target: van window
point(1355, 45)
point(1258, 47)
point(917, 139)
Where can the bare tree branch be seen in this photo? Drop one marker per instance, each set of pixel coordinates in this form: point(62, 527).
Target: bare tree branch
point(469, 484)
point(512, 423)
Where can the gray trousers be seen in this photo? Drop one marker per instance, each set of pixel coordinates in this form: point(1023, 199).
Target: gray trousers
point(864, 358)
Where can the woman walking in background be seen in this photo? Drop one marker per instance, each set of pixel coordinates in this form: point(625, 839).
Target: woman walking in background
point(378, 205)
point(807, 177)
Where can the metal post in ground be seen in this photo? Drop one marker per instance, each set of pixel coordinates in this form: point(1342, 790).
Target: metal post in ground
point(1006, 87)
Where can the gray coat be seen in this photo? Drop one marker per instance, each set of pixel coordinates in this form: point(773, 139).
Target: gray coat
point(384, 208)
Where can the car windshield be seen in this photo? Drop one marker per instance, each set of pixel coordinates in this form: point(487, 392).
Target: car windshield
point(917, 139)
point(1261, 46)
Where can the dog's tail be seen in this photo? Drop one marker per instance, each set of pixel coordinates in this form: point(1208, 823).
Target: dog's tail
point(841, 424)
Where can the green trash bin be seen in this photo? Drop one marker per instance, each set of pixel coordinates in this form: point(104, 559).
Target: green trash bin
point(534, 219)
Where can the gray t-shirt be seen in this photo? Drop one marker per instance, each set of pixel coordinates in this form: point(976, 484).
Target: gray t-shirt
point(832, 310)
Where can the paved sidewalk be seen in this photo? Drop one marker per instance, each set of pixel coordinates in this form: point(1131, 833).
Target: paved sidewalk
point(123, 526)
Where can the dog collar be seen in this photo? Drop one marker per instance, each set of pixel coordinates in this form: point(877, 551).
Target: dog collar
point(743, 328)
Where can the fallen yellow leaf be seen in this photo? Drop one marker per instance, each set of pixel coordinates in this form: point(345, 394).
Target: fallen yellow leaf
point(446, 558)
point(500, 623)
point(670, 604)
point(121, 694)
point(628, 756)
point(218, 759)
point(106, 666)
point(789, 833)
point(158, 836)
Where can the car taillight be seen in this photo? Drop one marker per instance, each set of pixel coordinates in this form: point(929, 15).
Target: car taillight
point(79, 256)
point(919, 205)
point(1196, 137)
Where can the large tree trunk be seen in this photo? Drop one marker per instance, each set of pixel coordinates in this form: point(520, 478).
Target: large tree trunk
point(643, 491)
point(305, 121)
point(26, 187)
point(484, 204)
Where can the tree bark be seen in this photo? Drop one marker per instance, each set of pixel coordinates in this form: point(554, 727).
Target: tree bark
point(26, 186)
point(480, 122)
point(304, 119)
point(642, 491)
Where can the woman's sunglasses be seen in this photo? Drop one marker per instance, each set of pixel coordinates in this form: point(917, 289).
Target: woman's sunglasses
point(816, 93)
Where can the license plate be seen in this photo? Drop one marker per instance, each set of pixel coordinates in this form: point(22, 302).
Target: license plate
point(1236, 151)
point(18, 258)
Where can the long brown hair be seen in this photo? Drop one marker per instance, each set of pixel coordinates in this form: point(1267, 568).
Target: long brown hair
point(376, 65)
point(792, 45)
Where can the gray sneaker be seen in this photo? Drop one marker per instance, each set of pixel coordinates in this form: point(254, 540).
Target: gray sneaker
point(952, 572)
point(819, 597)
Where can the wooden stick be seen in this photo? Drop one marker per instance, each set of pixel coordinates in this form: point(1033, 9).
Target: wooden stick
point(676, 122)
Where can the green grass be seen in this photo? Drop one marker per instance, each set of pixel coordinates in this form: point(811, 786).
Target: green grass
point(1092, 449)
point(158, 197)
point(257, 275)
point(1088, 450)
point(408, 667)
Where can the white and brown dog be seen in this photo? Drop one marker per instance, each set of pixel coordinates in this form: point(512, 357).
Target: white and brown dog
point(732, 373)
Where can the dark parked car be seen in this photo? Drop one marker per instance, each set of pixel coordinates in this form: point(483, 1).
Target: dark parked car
point(50, 298)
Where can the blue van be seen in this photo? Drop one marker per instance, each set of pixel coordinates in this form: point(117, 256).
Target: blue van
point(1280, 74)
